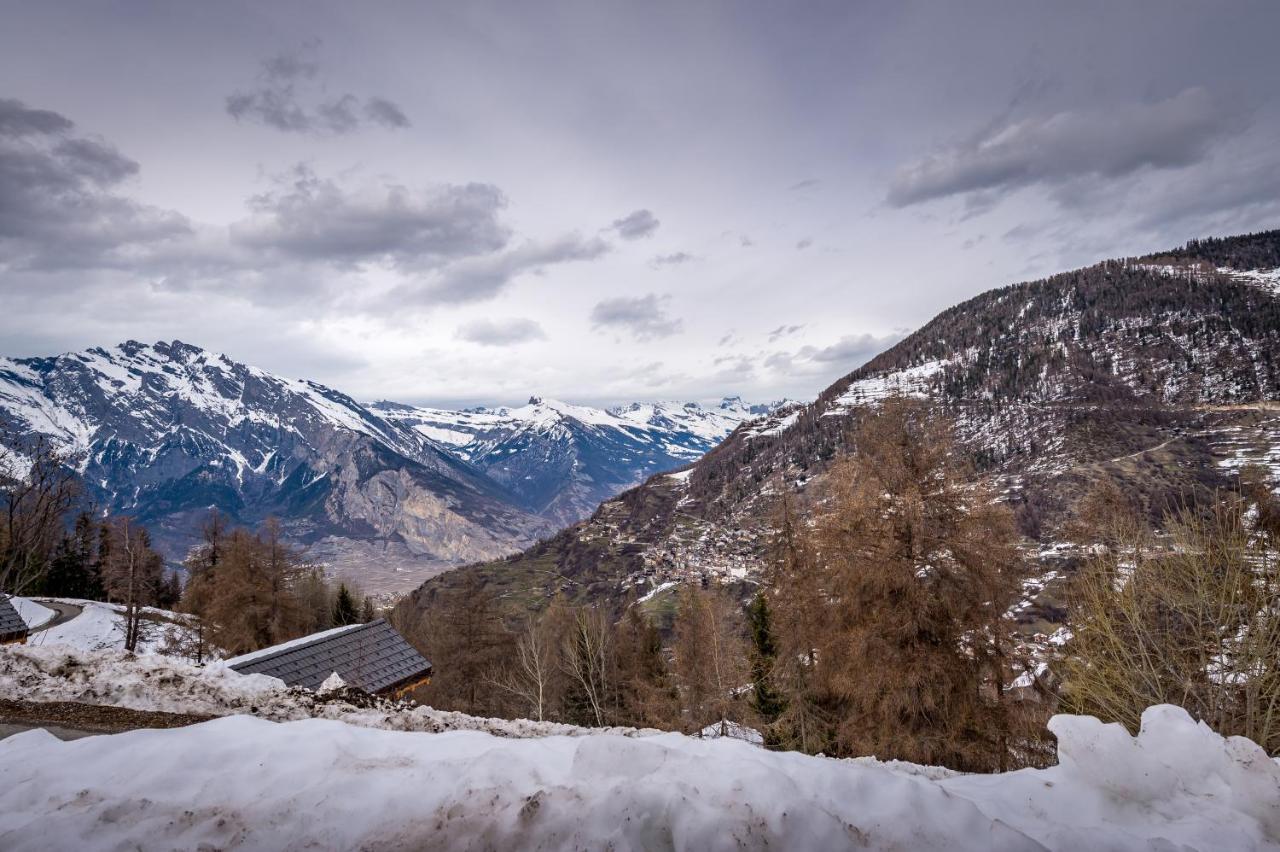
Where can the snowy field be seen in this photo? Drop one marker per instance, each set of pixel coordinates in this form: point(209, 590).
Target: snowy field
point(100, 626)
point(246, 783)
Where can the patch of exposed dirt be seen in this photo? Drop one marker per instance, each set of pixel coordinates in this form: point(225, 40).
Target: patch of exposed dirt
point(91, 717)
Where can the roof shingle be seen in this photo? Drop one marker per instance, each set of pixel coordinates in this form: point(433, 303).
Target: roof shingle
point(11, 623)
point(372, 657)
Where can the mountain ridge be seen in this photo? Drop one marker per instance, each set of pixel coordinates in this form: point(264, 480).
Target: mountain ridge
point(1159, 371)
point(166, 431)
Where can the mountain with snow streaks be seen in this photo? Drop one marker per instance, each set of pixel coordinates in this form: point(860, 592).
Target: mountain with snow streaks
point(1161, 373)
point(384, 494)
point(562, 460)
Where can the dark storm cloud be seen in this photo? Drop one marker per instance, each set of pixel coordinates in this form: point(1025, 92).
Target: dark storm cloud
point(488, 332)
point(633, 226)
point(1172, 133)
point(59, 202)
point(644, 317)
point(308, 217)
point(289, 98)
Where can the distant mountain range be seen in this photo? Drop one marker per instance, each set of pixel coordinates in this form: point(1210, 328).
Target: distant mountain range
point(1161, 372)
point(387, 494)
point(562, 460)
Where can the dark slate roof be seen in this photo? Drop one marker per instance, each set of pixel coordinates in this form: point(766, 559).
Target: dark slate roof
point(11, 624)
point(370, 656)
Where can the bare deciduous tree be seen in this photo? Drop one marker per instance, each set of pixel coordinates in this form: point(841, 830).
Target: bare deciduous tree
point(38, 489)
point(1190, 617)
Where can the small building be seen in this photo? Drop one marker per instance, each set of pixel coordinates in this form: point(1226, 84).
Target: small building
point(372, 657)
point(13, 629)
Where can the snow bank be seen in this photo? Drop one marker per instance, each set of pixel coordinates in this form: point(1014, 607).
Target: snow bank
point(32, 613)
point(154, 682)
point(242, 782)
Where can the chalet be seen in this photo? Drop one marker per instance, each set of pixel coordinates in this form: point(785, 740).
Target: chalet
point(372, 657)
point(13, 629)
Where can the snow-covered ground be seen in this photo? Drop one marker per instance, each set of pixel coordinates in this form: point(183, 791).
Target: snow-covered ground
point(32, 613)
point(100, 626)
point(245, 783)
point(155, 682)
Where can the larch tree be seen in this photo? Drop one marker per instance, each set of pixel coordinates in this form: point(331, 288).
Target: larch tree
point(132, 574)
point(712, 657)
point(922, 566)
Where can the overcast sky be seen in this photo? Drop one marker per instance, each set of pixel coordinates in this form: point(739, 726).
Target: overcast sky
point(472, 202)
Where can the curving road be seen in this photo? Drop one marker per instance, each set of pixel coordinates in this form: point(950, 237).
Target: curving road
point(65, 612)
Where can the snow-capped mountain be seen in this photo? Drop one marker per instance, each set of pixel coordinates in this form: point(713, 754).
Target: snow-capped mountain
point(1162, 373)
point(385, 493)
point(562, 460)
point(166, 431)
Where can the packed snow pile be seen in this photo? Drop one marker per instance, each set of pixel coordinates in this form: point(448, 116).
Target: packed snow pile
point(245, 783)
point(155, 682)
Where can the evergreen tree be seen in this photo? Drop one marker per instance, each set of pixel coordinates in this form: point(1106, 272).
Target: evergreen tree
point(766, 700)
point(344, 607)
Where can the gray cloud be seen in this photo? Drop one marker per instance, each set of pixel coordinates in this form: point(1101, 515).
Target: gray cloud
point(479, 278)
point(634, 226)
point(308, 217)
point(806, 184)
point(18, 119)
point(674, 259)
point(644, 317)
point(783, 331)
point(801, 245)
point(1175, 132)
point(845, 354)
point(488, 332)
point(59, 201)
point(384, 112)
point(288, 98)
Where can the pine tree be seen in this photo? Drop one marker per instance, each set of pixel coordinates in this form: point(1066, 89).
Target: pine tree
point(766, 700)
point(344, 607)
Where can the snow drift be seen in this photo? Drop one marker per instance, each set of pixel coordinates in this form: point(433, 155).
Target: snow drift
point(242, 782)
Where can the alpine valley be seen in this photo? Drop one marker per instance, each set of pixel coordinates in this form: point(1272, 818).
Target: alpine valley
point(383, 494)
point(1160, 372)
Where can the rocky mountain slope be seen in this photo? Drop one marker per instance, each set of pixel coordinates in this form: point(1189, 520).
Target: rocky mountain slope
point(563, 460)
point(384, 494)
point(1162, 372)
point(166, 431)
